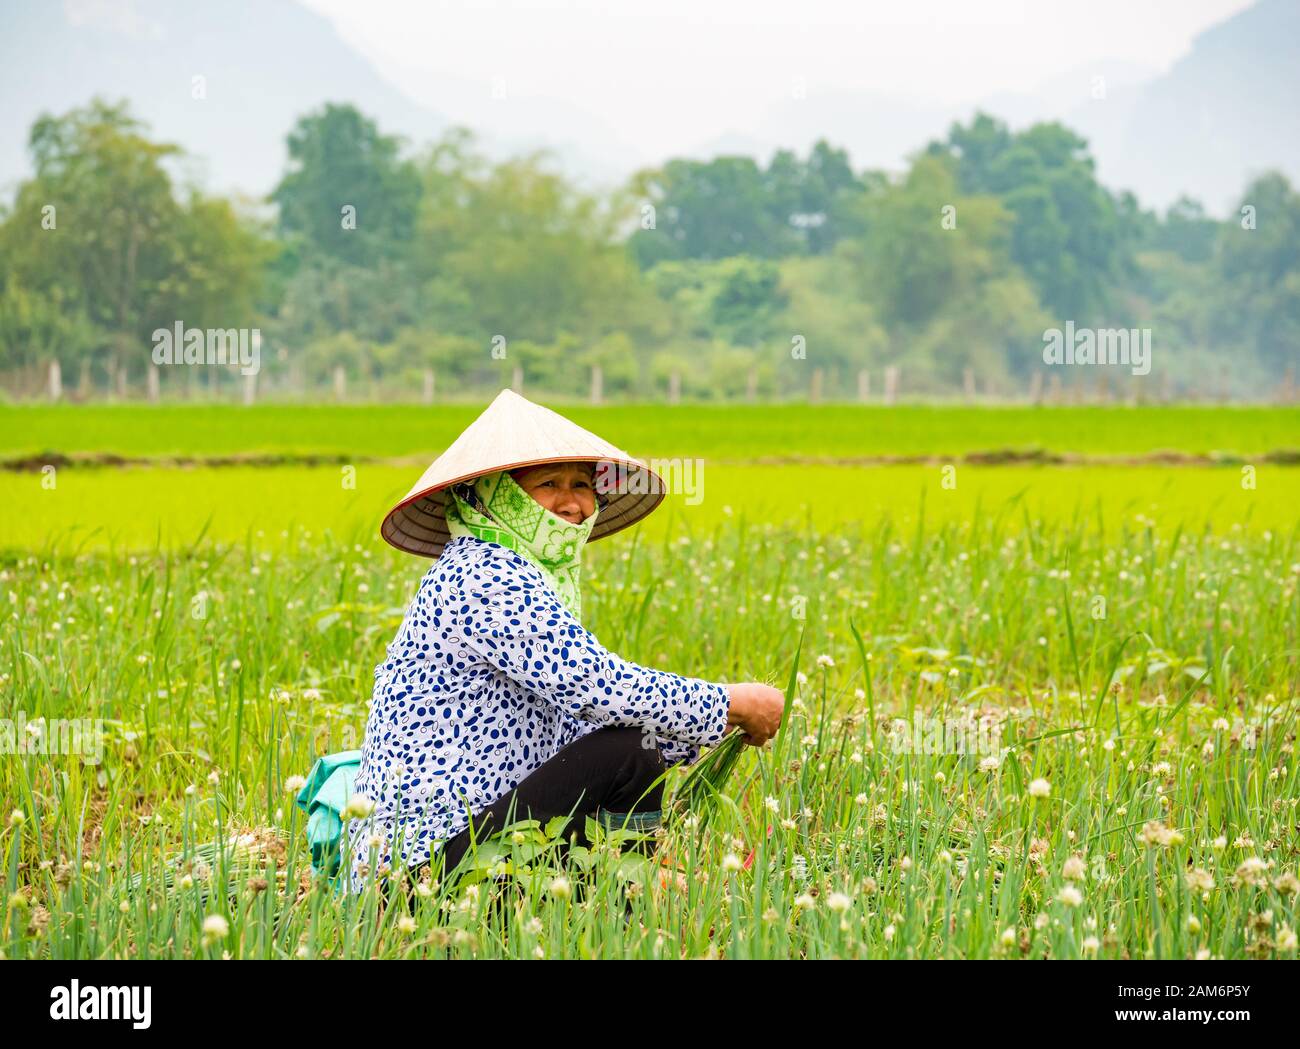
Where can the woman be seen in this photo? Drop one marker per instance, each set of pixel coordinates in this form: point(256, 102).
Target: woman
point(495, 704)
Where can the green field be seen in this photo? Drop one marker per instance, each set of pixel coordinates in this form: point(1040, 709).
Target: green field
point(1131, 630)
point(780, 464)
point(733, 432)
point(136, 508)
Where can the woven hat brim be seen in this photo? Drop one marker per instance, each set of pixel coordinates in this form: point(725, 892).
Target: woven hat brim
point(513, 432)
point(418, 524)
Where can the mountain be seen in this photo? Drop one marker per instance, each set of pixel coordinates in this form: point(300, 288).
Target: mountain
point(264, 63)
point(1072, 96)
point(1227, 110)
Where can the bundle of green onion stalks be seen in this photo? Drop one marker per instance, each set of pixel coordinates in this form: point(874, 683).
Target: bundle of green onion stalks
point(700, 792)
point(212, 865)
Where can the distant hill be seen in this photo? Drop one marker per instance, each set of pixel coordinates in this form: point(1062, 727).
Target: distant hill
point(1226, 111)
point(266, 62)
point(1229, 109)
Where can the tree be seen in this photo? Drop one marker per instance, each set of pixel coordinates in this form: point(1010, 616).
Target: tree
point(712, 210)
point(1187, 231)
point(40, 329)
point(737, 299)
point(908, 263)
point(1257, 265)
point(99, 231)
point(950, 296)
point(615, 355)
point(842, 331)
point(348, 193)
point(709, 210)
point(414, 350)
point(522, 254)
point(113, 248)
point(809, 196)
point(1068, 236)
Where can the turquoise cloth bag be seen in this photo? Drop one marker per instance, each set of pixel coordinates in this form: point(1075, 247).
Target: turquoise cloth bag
point(323, 799)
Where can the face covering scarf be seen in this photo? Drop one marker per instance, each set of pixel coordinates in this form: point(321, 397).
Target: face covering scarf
point(495, 509)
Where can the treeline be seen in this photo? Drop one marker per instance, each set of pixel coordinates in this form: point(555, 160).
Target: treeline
point(373, 271)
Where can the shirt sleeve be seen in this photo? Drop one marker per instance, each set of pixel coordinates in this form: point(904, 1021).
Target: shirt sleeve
point(677, 753)
point(511, 619)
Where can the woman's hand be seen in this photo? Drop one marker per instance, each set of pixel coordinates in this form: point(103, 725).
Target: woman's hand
point(757, 709)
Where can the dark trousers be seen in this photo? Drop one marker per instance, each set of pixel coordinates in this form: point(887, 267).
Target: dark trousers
point(607, 774)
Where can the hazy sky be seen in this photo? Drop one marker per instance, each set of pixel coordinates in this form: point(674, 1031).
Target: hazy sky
point(676, 72)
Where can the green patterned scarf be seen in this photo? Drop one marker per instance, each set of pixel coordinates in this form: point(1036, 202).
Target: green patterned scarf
point(495, 509)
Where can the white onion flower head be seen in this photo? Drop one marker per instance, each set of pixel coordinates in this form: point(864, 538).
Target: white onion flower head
point(1070, 896)
point(215, 928)
point(358, 807)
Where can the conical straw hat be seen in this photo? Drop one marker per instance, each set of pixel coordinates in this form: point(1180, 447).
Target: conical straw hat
point(513, 432)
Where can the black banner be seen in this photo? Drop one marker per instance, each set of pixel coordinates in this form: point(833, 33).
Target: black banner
point(180, 998)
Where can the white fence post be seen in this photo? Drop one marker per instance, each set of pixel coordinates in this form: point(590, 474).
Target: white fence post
point(891, 384)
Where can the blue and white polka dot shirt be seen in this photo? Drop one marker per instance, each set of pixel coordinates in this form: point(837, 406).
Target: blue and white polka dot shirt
point(488, 677)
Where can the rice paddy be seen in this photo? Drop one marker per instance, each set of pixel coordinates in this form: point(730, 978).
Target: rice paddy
point(721, 431)
point(1033, 710)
